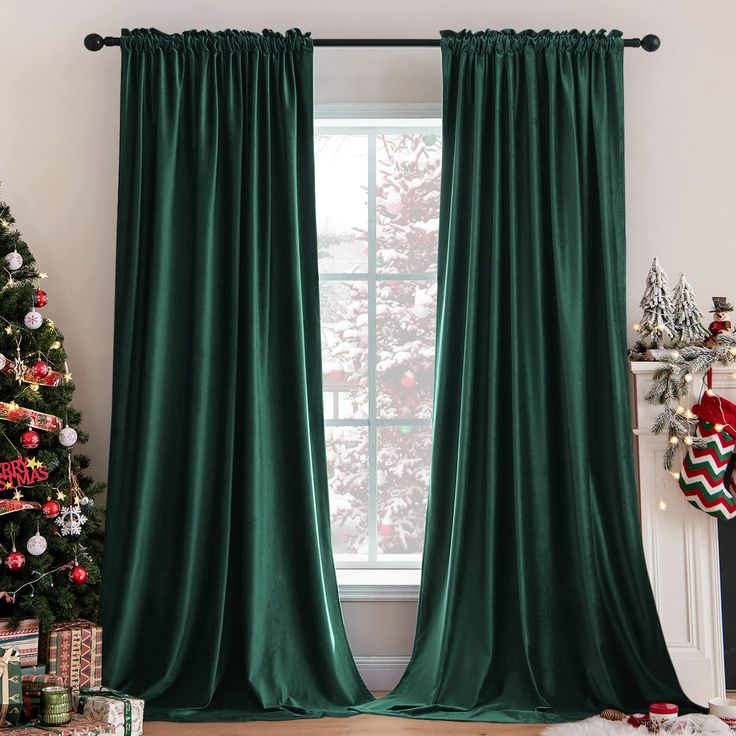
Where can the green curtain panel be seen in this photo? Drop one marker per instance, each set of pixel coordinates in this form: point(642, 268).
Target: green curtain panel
point(219, 598)
point(535, 603)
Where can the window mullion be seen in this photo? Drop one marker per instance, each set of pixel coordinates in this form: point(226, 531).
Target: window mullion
point(372, 340)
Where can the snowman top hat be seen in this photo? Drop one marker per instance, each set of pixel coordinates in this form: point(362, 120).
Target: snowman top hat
point(721, 304)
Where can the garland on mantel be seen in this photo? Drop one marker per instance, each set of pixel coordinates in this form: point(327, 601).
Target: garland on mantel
point(671, 384)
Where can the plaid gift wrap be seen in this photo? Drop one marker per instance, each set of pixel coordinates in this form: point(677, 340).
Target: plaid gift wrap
point(75, 653)
point(24, 639)
point(123, 712)
point(10, 687)
point(78, 726)
point(33, 684)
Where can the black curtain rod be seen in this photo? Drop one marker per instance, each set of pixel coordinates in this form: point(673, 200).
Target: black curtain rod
point(650, 42)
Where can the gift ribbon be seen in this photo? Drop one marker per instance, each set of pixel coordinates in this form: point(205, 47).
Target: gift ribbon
point(106, 692)
point(37, 419)
point(6, 658)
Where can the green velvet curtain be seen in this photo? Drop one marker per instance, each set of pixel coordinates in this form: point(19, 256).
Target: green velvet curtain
point(219, 597)
point(535, 603)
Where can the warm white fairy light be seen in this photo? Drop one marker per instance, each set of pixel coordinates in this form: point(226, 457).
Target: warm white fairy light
point(674, 440)
point(662, 505)
point(675, 475)
point(688, 440)
point(710, 392)
point(718, 427)
point(636, 327)
point(680, 410)
point(688, 377)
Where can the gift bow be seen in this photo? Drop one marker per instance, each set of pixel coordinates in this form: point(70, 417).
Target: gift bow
point(108, 692)
point(5, 659)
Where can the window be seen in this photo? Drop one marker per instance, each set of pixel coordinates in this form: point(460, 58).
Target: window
point(378, 183)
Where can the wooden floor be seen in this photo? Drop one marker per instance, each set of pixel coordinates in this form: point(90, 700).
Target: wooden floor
point(356, 726)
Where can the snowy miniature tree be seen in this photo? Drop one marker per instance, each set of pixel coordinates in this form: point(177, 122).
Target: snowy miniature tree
point(688, 319)
point(657, 317)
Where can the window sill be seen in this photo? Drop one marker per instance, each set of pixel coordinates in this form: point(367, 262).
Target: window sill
point(378, 585)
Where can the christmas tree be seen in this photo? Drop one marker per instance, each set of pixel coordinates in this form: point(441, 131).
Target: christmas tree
point(658, 309)
point(688, 319)
point(50, 538)
point(407, 217)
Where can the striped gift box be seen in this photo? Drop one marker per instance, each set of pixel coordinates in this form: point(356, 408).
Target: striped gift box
point(33, 684)
point(24, 639)
point(75, 653)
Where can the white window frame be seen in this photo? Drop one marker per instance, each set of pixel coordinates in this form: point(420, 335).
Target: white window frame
point(364, 579)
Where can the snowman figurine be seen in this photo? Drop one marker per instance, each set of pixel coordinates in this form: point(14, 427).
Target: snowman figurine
point(720, 323)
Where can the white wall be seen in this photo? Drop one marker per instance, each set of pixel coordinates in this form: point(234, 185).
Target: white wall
point(59, 130)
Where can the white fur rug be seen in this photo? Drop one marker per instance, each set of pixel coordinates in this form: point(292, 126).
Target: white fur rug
point(695, 724)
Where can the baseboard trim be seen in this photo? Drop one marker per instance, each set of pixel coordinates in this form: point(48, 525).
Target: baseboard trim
point(381, 673)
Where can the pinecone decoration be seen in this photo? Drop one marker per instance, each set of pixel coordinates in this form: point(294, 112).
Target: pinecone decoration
point(611, 714)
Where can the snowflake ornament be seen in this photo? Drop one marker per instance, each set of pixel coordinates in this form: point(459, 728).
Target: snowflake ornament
point(71, 520)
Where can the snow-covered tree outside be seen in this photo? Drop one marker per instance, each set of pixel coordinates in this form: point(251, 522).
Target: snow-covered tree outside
point(687, 319)
point(378, 259)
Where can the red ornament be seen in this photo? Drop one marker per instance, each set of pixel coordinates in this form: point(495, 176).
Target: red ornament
point(40, 369)
point(408, 380)
point(15, 560)
point(40, 298)
point(385, 529)
point(78, 575)
point(29, 439)
point(51, 509)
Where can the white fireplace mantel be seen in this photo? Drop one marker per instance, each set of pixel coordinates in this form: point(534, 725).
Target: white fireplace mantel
point(681, 546)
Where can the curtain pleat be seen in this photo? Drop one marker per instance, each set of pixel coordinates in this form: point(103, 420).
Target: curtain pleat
point(219, 596)
point(535, 604)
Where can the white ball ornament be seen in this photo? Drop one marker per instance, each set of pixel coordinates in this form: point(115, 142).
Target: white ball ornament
point(33, 320)
point(68, 436)
point(14, 260)
point(37, 544)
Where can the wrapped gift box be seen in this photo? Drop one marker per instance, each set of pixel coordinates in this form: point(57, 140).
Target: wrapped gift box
point(123, 712)
point(33, 684)
point(39, 669)
point(75, 653)
point(78, 726)
point(24, 639)
point(10, 687)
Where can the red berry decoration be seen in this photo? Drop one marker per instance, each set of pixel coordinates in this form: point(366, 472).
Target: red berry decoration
point(40, 298)
point(29, 439)
point(15, 560)
point(408, 380)
point(78, 575)
point(51, 509)
point(40, 370)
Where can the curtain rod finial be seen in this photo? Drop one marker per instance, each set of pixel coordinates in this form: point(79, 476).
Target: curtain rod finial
point(650, 42)
point(93, 42)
